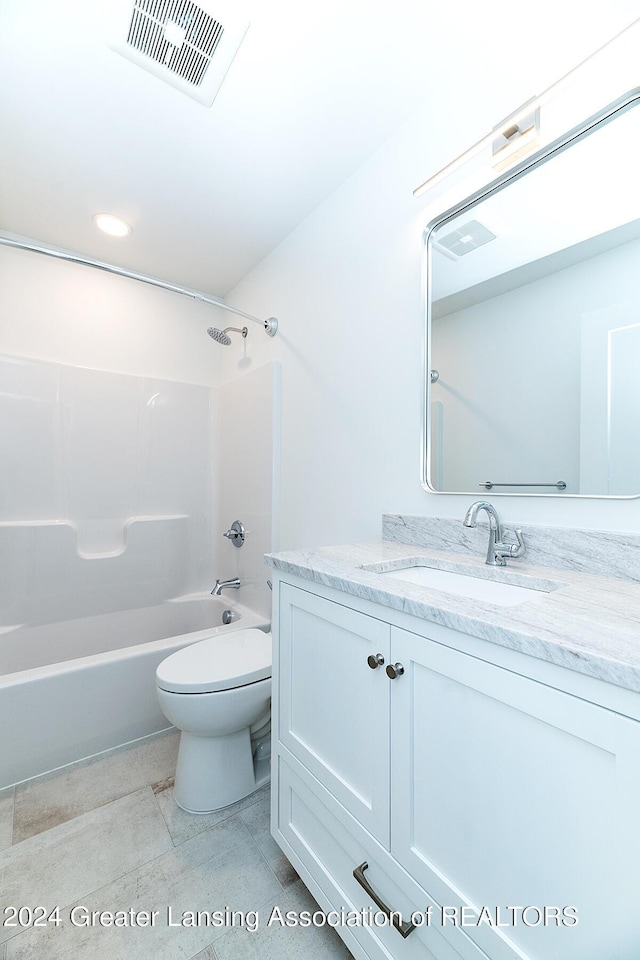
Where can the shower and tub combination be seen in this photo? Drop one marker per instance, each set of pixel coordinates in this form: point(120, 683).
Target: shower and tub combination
point(92, 604)
point(75, 688)
point(90, 607)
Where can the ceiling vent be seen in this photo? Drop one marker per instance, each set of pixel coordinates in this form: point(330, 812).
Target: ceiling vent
point(189, 45)
point(464, 239)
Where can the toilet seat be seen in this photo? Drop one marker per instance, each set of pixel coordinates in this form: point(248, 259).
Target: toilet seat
point(223, 662)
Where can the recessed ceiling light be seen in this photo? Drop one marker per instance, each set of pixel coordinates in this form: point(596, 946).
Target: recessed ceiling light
point(114, 226)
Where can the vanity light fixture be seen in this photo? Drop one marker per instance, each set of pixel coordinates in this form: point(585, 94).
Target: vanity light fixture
point(114, 226)
point(519, 129)
point(508, 132)
point(516, 140)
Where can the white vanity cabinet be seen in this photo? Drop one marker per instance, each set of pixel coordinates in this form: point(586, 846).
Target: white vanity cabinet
point(461, 784)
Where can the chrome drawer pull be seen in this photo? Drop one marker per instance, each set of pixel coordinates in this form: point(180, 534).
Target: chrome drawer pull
point(375, 661)
point(404, 929)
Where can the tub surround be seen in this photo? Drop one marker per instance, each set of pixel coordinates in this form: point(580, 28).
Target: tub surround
point(587, 622)
point(49, 581)
point(98, 448)
point(106, 492)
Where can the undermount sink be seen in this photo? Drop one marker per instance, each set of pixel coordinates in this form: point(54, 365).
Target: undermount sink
point(463, 585)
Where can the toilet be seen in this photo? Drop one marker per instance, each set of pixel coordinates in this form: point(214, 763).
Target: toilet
point(217, 692)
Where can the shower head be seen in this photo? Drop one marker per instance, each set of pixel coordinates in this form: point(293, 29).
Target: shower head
point(219, 336)
point(222, 336)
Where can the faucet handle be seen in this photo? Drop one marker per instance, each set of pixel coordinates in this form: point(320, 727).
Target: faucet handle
point(235, 533)
point(518, 549)
point(511, 549)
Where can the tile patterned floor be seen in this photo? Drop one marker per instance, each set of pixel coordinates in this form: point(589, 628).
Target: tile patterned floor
point(106, 835)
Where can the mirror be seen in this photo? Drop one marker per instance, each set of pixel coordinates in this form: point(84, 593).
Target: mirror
point(532, 383)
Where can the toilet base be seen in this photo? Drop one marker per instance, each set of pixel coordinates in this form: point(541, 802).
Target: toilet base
point(214, 772)
point(263, 772)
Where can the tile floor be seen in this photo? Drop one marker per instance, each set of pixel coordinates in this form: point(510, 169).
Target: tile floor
point(106, 835)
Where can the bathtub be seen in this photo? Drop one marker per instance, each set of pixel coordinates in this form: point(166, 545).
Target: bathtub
point(73, 689)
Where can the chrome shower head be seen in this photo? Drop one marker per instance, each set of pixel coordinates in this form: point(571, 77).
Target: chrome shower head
point(222, 336)
point(219, 336)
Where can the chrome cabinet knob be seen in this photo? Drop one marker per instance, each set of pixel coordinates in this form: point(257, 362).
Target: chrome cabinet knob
point(395, 670)
point(375, 661)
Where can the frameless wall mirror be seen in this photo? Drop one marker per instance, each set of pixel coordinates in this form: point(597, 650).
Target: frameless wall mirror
point(533, 323)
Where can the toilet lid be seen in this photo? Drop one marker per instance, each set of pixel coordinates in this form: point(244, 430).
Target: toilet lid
point(222, 662)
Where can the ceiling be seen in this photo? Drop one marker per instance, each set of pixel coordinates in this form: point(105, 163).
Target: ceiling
point(311, 93)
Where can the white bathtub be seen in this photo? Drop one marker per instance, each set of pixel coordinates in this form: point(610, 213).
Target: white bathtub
point(70, 690)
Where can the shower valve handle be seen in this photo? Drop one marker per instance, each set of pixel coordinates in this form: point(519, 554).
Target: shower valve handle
point(235, 533)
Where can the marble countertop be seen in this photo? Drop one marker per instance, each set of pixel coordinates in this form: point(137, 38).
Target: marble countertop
point(587, 623)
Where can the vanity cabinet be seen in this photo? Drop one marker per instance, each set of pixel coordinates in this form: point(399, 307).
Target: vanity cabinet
point(500, 810)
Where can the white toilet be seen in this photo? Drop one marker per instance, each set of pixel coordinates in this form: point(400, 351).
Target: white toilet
point(218, 693)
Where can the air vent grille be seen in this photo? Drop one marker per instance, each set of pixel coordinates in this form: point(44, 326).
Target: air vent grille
point(465, 238)
point(176, 34)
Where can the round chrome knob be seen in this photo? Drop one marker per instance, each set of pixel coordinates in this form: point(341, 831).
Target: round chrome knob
point(395, 670)
point(375, 661)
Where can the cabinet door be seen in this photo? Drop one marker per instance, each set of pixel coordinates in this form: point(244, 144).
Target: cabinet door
point(334, 708)
point(508, 793)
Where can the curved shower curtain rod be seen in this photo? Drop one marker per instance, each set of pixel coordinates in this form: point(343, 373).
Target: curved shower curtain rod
point(269, 326)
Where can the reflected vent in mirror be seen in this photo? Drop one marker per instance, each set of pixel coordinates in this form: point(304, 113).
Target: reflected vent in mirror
point(464, 239)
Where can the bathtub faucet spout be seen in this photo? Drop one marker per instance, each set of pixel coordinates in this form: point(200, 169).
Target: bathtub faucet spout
point(221, 585)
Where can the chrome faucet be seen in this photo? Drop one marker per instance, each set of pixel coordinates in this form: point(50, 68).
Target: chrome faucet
point(497, 551)
point(221, 585)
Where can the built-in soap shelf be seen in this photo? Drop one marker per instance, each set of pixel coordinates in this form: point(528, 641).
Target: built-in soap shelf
point(56, 574)
point(96, 539)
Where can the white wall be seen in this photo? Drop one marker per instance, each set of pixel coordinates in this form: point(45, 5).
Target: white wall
point(346, 288)
point(67, 313)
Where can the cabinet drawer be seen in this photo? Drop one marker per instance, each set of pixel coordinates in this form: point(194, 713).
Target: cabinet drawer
point(326, 844)
point(333, 707)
